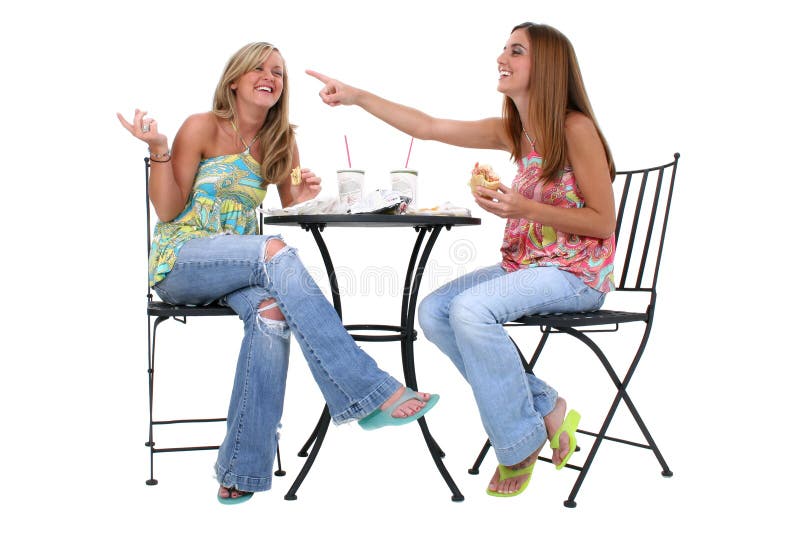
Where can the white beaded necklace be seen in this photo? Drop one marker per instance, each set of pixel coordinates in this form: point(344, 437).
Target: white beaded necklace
point(528, 137)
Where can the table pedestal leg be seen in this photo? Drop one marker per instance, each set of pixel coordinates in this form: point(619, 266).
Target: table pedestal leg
point(319, 436)
point(408, 335)
point(408, 311)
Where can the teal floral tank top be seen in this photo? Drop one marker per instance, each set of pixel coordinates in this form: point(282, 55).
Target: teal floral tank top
point(226, 192)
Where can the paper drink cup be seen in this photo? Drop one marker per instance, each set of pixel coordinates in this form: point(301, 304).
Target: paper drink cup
point(404, 182)
point(351, 186)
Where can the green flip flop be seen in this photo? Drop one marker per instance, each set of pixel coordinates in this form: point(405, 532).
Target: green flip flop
point(506, 473)
point(381, 418)
point(244, 496)
point(570, 426)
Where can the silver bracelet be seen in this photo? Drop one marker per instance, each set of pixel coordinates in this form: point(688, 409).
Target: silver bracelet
point(159, 158)
point(164, 155)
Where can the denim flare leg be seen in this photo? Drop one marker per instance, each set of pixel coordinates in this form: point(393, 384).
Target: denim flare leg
point(464, 319)
point(232, 268)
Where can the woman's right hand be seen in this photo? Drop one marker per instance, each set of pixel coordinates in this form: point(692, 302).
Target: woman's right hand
point(335, 92)
point(145, 129)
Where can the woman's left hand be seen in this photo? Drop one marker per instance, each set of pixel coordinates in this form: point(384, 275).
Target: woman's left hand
point(505, 202)
point(309, 187)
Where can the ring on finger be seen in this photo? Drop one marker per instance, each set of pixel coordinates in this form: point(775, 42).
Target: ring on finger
point(145, 127)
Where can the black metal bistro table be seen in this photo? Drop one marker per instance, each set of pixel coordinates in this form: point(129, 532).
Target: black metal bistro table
point(426, 226)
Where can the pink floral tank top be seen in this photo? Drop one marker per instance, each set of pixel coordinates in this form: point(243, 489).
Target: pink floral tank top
point(530, 244)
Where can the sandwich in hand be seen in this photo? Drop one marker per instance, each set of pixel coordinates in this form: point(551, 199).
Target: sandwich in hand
point(484, 176)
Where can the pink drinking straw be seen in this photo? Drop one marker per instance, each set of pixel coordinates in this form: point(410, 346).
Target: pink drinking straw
point(409, 152)
point(347, 148)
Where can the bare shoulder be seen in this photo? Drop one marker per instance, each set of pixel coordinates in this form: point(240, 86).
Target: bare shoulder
point(579, 126)
point(202, 123)
point(197, 132)
point(583, 139)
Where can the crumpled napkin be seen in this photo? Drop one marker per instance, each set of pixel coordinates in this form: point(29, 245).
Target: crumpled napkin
point(381, 201)
point(315, 206)
point(446, 208)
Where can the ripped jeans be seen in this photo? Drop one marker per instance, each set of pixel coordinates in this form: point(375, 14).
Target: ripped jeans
point(232, 268)
point(464, 319)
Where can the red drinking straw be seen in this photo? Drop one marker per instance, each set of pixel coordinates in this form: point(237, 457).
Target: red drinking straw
point(409, 152)
point(347, 148)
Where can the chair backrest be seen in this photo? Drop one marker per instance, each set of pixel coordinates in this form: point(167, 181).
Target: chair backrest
point(147, 218)
point(642, 215)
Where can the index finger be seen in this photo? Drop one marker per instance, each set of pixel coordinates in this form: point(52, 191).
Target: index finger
point(128, 126)
point(488, 193)
point(318, 75)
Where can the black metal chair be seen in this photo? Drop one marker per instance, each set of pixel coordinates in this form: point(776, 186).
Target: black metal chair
point(642, 214)
point(158, 312)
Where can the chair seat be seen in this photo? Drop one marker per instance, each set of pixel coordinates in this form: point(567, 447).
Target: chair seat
point(162, 309)
point(574, 320)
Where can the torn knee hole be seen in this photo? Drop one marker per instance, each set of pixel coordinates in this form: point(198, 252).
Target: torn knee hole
point(272, 248)
point(269, 310)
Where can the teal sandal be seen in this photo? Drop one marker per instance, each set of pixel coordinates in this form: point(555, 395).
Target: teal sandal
point(570, 426)
point(381, 418)
point(244, 496)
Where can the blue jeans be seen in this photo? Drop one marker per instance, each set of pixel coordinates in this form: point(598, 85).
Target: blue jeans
point(232, 268)
point(464, 319)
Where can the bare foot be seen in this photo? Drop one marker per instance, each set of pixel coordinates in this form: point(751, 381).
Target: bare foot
point(510, 485)
point(231, 493)
point(408, 408)
point(552, 422)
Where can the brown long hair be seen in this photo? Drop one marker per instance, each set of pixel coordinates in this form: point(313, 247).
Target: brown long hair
point(276, 136)
point(556, 87)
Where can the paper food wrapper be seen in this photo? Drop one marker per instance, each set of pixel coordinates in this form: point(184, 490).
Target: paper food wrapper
point(382, 201)
point(446, 208)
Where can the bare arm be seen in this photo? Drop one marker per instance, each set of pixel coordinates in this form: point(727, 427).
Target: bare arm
point(485, 133)
point(585, 153)
point(171, 182)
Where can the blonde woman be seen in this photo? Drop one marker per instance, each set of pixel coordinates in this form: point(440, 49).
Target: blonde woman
point(205, 189)
point(558, 245)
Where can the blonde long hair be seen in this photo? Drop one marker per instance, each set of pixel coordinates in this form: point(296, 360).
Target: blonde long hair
point(556, 87)
point(276, 136)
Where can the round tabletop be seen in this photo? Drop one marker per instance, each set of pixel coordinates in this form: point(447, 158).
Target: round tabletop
point(361, 220)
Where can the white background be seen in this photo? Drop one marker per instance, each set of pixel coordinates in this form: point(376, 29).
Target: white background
point(713, 80)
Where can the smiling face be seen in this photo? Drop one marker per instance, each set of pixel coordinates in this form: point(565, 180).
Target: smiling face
point(514, 65)
point(263, 85)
